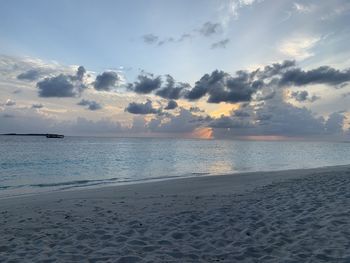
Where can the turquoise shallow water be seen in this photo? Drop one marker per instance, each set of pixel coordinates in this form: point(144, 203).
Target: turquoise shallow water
point(36, 164)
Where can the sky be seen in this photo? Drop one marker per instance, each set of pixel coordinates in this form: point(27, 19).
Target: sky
point(224, 69)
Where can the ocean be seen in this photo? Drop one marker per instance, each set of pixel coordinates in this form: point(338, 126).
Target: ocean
point(37, 164)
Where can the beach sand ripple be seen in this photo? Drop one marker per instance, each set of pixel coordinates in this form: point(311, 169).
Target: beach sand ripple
point(305, 219)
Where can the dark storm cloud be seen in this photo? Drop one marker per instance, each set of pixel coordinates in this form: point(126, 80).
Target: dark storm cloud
point(244, 86)
point(150, 38)
point(37, 106)
point(208, 29)
point(221, 87)
point(146, 84)
point(172, 104)
point(59, 86)
point(30, 75)
point(62, 85)
point(208, 82)
point(321, 75)
point(220, 44)
point(142, 108)
point(172, 90)
point(238, 89)
point(92, 105)
point(302, 96)
point(274, 69)
point(106, 81)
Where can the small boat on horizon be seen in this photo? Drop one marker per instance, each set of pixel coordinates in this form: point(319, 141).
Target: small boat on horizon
point(59, 136)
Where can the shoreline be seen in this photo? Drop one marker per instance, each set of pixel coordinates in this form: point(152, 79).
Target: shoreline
point(249, 181)
point(292, 215)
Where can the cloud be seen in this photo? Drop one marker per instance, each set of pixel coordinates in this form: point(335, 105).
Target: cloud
point(62, 85)
point(234, 6)
point(10, 103)
point(172, 104)
point(172, 90)
point(298, 47)
point(184, 122)
point(275, 69)
point(142, 108)
point(59, 86)
point(37, 106)
point(321, 75)
point(35, 122)
point(302, 96)
point(225, 122)
point(150, 38)
point(106, 81)
point(209, 28)
point(184, 37)
point(265, 94)
point(334, 123)
point(334, 11)
point(243, 86)
point(166, 40)
point(30, 75)
point(92, 105)
point(195, 109)
point(275, 117)
point(241, 113)
point(89, 127)
point(221, 87)
point(220, 44)
point(146, 84)
point(301, 8)
point(206, 83)
point(80, 73)
point(278, 120)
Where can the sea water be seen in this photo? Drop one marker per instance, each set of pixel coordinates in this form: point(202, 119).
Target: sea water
point(37, 164)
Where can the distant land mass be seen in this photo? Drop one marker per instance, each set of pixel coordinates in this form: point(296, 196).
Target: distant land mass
point(47, 135)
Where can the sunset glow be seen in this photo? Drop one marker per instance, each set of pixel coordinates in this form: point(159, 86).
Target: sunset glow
point(202, 133)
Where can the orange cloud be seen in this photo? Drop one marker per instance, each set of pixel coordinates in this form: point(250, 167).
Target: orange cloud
point(223, 109)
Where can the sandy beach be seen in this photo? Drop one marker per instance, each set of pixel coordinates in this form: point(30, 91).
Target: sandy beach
point(284, 216)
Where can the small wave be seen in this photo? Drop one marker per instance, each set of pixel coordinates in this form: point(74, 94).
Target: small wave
point(78, 182)
point(81, 183)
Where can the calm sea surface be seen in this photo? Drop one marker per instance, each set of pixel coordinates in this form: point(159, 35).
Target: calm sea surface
point(37, 164)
